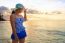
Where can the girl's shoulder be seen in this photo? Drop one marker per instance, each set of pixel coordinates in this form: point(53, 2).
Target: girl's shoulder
point(12, 16)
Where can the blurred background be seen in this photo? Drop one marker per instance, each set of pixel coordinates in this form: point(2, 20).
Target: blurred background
point(45, 20)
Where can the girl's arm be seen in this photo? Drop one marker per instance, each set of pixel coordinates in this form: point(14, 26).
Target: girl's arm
point(25, 17)
point(12, 21)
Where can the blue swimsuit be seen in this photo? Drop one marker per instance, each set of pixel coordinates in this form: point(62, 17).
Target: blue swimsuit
point(20, 29)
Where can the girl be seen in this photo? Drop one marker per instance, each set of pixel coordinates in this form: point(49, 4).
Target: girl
point(16, 20)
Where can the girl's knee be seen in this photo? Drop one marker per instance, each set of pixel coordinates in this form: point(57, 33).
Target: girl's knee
point(22, 40)
point(14, 41)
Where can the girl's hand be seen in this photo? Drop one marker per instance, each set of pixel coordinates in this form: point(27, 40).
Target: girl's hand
point(25, 10)
point(25, 17)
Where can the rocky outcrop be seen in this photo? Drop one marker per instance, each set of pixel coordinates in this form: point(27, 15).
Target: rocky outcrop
point(1, 18)
point(4, 11)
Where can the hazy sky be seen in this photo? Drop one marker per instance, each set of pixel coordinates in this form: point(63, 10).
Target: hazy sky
point(47, 5)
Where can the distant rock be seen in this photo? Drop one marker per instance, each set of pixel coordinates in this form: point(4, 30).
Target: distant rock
point(32, 11)
point(4, 11)
point(1, 18)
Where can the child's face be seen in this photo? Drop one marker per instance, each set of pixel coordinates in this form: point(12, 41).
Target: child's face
point(20, 10)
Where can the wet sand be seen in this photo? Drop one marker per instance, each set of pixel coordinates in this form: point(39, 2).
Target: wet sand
point(40, 29)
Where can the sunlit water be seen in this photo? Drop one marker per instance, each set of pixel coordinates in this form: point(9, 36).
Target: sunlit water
point(40, 29)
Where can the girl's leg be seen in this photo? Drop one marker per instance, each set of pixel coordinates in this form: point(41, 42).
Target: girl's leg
point(22, 40)
point(14, 41)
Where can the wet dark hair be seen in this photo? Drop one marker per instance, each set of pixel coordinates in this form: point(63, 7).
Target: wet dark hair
point(13, 12)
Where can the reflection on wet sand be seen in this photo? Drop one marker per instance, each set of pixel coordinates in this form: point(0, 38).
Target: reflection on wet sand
point(45, 30)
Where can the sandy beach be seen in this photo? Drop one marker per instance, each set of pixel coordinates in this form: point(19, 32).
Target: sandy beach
point(40, 29)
